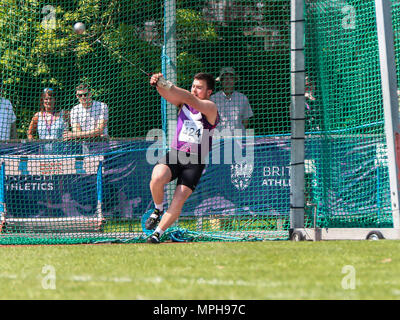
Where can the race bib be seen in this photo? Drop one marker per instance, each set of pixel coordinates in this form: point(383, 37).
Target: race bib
point(192, 132)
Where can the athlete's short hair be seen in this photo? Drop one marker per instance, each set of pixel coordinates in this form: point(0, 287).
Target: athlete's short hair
point(208, 78)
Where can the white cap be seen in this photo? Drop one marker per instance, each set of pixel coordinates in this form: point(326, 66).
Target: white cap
point(226, 70)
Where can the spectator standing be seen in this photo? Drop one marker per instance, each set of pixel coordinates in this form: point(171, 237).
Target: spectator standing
point(8, 128)
point(233, 106)
point(89, 118)
point(49, 123)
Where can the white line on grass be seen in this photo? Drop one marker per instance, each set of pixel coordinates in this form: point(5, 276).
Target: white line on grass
point(8, 276)
point(157, 280)
point(183, 281)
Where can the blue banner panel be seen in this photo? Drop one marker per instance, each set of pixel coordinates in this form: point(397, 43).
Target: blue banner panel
point(50, 195)
point(43, 181)
point(258, 183)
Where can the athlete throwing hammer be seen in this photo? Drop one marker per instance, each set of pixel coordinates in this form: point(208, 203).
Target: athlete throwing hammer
point(197, 118)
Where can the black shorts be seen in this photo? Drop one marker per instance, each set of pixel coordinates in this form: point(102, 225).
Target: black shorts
point(185, 167)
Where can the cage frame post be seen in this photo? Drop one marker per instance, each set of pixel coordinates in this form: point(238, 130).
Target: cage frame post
point(297, 79)
point(391, 114)
point(3, 210)
point(169, 58)
point(99, 187)
point(390, 98)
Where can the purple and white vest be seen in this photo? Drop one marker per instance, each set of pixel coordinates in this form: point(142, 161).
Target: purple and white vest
point(193, 132)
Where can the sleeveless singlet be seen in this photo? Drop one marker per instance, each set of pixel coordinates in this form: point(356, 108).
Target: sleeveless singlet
point(193, 132)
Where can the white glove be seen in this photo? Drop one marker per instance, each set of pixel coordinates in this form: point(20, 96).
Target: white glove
point(164, 83)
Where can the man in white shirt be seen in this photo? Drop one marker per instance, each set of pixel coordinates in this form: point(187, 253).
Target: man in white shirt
point(89, 118)
point(233, 107)
point(8, 128)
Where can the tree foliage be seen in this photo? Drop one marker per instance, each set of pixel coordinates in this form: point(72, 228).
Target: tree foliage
point(38, 48)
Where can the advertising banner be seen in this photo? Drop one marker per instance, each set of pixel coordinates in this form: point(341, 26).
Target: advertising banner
point(42, 183)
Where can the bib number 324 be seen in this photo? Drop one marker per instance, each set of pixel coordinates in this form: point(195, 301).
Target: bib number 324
point(191, 132)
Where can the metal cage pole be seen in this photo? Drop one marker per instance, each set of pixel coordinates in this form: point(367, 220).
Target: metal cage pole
point(391, 114)
point(99, 188)
point(390, 98)
point(168, 60)
point(169, 71)
point(297, 80)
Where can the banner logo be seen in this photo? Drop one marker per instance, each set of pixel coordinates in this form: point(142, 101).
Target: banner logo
point(241, 174)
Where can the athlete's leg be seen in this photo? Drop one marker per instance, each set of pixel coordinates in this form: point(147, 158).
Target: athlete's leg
point(181, 194)
point(187, 182)
point(160, 177)
point(188, 178)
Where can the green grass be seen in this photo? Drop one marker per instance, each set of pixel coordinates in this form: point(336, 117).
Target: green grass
point(249, 270)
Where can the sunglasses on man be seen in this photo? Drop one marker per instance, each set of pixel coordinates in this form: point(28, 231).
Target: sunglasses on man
point(82, 95)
